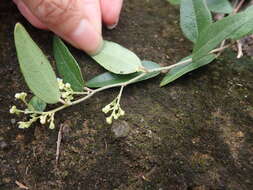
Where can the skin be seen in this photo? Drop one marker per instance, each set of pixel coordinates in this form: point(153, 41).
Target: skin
point(77, 21)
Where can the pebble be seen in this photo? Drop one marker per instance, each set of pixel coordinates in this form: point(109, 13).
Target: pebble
point(3, 145)
point(13, 121)
point(120, 129)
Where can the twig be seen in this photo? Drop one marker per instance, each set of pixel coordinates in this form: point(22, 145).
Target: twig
point(238, 7)
point(239, 48)
point(122, 84)
point(58, 144)
point(20, 185)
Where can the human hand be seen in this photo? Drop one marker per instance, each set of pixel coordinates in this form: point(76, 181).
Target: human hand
point(77, 21)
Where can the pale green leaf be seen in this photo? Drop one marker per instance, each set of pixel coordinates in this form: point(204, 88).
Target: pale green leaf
point(220, 6)
point(67, 65)
point(245, 30)
point(36, 104)
point(117, 59)
point(215, 33)
point(194, 17)
point(35, 67)
point(108, 78)
point(181, 70)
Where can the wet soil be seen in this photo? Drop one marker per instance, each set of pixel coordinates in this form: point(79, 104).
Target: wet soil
point(194, 134)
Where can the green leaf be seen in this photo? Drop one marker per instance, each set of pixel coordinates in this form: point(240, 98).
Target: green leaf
point(174, 2)
point(111, 78)
point(220, 6)
point(35, 67)
point(67, 66)
point(181, 70)
point(37, 104)
point(194, 17)
point(117, 59)
point(245, 30)
point(215, 33)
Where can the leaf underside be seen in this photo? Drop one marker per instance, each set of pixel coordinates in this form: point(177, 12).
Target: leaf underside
point(117, 59)
point(35, 67)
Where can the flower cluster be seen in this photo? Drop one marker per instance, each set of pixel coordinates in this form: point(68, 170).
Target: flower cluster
point(44, 117)
point(66, 91)
point(115, 109)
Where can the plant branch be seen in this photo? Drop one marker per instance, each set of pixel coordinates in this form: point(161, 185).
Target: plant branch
point(122, 85)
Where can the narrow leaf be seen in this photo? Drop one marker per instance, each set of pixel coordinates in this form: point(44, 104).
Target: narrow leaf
point(67, 65)
point(215, 33)
point(181, 70)
point(245, 30)
point(111, 78)
point(117, 59)
point(35, 67)
point(194, 17)
point(220, 6)
point(37, 104)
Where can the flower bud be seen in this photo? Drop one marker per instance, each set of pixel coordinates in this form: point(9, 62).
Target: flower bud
point(17, 95)
point(67, 85)
point(109, 120)
point(52, 125)
point(13, 110)
point(106, 109)
point(23, 125)
point(121, 112)
point(43, 119)
point(116, 116)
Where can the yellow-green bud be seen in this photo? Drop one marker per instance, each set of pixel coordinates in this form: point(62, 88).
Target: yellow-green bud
point(23, 125)
point(106, 109)
point(67, 85)
point(52, 125)
point(13, 110)
point(121, 112)
point(60, 83)
point(43, 119)
point(109, 120)
point(21, 95)
point(116, 116)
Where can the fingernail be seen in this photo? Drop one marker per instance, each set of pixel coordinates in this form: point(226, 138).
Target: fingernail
point(86, 37)
point(111, 27)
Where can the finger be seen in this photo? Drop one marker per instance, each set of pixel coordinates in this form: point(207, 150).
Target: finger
point(77, 21)
point(110, 12)
point(28, 15)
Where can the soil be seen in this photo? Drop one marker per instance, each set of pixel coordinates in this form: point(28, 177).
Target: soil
point(194, 134)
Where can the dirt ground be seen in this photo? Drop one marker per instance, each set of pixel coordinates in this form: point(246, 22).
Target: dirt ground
point(194, 134)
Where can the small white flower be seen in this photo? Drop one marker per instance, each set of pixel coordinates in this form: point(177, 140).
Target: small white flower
point(106, 109)
point(64, 94)
point(21, 95)
point(17, 95)
point(116, 116)
point(13, 110)
point(121, 112)
point(109, 120)
point(60, 83)
point(43, 119)
point(23, 125)
point(52, 125)
point(67, 85)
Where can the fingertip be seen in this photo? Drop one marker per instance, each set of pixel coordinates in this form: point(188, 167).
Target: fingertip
point(85, 37)
point(111, 12)
point(29, 16)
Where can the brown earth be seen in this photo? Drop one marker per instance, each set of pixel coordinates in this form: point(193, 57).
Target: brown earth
point(194, 134)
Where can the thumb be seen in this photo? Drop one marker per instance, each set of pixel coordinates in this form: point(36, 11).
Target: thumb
point(77, 21)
